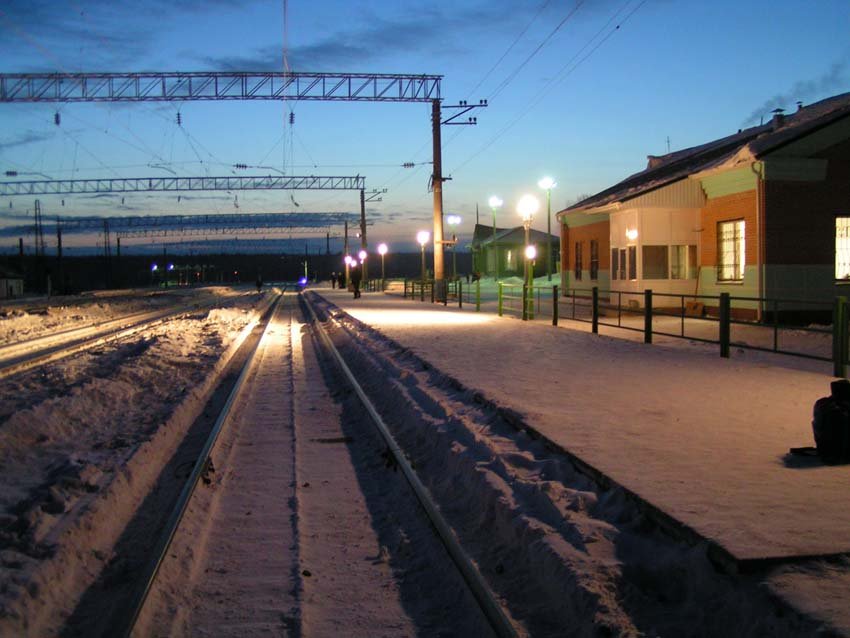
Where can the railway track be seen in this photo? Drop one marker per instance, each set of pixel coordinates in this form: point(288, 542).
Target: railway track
point(343, 487)
point(32, 353)
point(289, 430)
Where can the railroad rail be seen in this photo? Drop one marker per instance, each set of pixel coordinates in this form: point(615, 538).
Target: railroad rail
point(25, 355)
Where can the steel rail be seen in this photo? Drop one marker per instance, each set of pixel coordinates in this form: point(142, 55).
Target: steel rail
point(481, 591)
point(65, 349)
point(141, 593)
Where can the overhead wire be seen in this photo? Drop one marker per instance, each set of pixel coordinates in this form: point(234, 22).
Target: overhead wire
point(564, 72)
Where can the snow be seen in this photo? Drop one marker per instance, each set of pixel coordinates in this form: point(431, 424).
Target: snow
point(702, 438)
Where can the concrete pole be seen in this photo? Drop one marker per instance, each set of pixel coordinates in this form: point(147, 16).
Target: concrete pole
point(363, 243)
point(345, 251)
point(549, 233)
point(438, 198)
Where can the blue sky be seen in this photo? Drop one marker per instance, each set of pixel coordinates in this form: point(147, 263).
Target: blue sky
point(582, 91)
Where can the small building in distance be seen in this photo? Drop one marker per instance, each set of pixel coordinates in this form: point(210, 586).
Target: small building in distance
point(503, 253)
point(11, 284)
point(761, 214)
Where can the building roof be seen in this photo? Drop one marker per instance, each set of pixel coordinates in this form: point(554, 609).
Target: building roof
point(483, 232)
point(745, 146)
point(6, 273)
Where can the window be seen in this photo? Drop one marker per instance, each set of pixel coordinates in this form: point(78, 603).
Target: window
point(683, 262)
point(632, 262)
point(614, 263)
point(578, 261)
point(730, 250)
point(622, 274)
point(654, 262)
point(594, 259)
point(842, 248)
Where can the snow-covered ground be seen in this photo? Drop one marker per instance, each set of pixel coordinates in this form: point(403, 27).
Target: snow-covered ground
point(81, 439)
point(702, 438)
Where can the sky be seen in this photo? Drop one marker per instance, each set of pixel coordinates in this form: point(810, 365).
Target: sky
point(581, 91)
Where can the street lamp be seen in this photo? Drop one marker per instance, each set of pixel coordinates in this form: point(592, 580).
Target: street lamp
point(382, 250)
point(526, 207)
point(495, 204)
point(547, 184)
point(362, 256)
point(422, 237)
point(453, 220)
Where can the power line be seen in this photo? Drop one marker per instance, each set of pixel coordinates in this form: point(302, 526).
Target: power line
point(562, 74)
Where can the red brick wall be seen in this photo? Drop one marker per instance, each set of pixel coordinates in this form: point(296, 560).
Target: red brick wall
point(583, 234)
point(727, 208)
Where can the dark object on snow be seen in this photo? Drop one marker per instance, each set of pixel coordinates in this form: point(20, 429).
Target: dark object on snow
point(831, 424)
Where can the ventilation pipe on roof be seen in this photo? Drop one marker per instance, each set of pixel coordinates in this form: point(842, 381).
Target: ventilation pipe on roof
point(778, 118)
point(799, 106)
point(653, 160)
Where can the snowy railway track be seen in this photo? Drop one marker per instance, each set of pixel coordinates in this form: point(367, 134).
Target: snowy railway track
point(261, 549)
point(31, 353)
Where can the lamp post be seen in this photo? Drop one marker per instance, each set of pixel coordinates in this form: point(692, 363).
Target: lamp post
point(547, 184)
point(495, 204)
point(452, 221)
point(526, 207)
point(382, 250)
point(422, 237)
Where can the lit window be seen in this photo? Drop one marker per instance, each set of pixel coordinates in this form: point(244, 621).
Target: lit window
point(730, 250)
point(683, 262)
point(842, 247)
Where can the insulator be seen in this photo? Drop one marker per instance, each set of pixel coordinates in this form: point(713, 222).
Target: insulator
point(179, 119)
point(57, 119)
point(292, 117)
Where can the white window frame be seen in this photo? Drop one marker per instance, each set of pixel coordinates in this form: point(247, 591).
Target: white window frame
point(731, 241)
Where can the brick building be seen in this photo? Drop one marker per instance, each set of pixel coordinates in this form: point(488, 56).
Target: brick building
point(763, 213)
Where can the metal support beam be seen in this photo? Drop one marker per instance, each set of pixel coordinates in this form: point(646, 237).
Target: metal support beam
point(179, 86)
point(174, 184)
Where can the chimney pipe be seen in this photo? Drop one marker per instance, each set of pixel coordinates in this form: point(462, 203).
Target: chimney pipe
point(778, 118)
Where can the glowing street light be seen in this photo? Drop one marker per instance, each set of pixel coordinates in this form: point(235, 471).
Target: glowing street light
point(453, 220)
point(547, 184)
point(526, 207)
point(382, 250)
point(422, 237)
point(362, 256)
point(495, 204)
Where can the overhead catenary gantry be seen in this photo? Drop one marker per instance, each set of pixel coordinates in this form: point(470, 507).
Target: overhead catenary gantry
point(174, 184)
point(218, 85)
point(276, 85)
point(164, 225)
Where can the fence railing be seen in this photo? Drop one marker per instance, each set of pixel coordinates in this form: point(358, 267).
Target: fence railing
point(711, 319)
point(422, 289)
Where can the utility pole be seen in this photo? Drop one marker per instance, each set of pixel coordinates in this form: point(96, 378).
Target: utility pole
point(345, 251)
point(437, 186)
point(59, 284)
point(363, 243)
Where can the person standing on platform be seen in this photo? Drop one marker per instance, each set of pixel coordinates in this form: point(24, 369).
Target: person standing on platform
point(355, 276)
point(333, 280)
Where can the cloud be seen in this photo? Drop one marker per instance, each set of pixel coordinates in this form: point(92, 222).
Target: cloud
point(834, 79)
point(27, 137)
point(436, 30)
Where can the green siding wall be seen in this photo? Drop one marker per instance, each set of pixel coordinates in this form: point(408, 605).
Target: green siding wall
point(749, 288)
point(738, 180)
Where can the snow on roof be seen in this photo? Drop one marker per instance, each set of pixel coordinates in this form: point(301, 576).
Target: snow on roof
point(743, 146)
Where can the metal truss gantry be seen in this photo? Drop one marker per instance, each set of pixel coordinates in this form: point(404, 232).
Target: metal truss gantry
point(193, 225)
point(217, 85)
point(147, 184)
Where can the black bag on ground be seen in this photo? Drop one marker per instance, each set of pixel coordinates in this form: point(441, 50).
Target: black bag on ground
point(831, 424)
